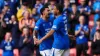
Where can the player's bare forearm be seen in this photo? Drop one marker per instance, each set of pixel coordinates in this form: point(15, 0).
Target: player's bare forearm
point(35, 36)
point(35, 32)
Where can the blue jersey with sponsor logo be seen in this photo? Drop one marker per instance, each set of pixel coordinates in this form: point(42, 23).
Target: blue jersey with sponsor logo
point(7, 48)
point(81, 38)
point(61, 39)
point(43, 27)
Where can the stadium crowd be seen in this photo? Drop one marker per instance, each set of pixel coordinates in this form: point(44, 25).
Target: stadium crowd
point(49, 27)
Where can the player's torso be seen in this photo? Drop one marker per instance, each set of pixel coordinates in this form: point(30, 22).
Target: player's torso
point(61, 39)
point(45, 27)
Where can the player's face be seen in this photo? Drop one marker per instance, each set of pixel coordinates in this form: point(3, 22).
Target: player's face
point(47, 11)
point(25, 31)
point(55, 10)
point(82, 19)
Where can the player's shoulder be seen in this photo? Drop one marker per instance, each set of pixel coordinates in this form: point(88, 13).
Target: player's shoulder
point(39, 21)
point(60, 17)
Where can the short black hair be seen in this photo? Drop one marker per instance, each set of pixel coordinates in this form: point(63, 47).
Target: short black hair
point(59, 7)
point(98, 20)
point(43, 8)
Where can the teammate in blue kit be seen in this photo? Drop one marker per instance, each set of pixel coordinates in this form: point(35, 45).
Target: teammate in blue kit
point(43, 26)
point(7, 45)
point(59, 29)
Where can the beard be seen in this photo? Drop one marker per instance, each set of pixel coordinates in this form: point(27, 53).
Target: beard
point(55, 14)
point(47, 16)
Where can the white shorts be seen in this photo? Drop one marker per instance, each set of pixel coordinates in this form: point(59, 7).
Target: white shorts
point(58, 52)
point(45, 52)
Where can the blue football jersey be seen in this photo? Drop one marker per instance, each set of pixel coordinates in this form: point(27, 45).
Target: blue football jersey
point(7, 48)
point(81, 38)
point(86, 8)
point(61, 39)
point(43, 27)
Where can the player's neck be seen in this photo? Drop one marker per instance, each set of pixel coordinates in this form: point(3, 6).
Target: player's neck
point(44, 18)
point(57, 15)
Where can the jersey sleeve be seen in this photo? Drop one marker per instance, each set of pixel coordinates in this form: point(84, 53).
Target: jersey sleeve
point(55, 25)
point(37, 26)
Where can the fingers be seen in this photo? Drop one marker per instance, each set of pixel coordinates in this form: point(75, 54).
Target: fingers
point(37, 42)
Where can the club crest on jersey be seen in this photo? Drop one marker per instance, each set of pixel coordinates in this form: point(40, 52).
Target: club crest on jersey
point(36, 27)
